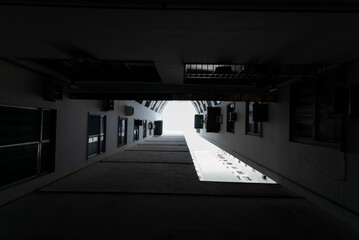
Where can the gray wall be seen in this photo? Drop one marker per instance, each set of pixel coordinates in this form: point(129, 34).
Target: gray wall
point(324, 175)
point(20, 87)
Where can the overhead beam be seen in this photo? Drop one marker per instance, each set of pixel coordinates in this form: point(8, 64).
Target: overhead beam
point(219, 5)
point(133, 91)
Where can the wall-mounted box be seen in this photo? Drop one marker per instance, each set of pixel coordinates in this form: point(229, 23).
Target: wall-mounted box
point(260, 112)
point(53, 91)
point(158, 128)
point(129, 111)
point(213, 115)
point(108, 105)
point(138, 122)
point(198, 121)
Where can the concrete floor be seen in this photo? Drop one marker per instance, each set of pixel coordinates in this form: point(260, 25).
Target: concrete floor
point(159, 200)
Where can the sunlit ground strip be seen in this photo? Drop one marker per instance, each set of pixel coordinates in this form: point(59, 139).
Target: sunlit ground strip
point(214, 164)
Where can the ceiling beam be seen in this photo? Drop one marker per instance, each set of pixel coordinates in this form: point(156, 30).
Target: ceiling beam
point(224, 5)
point(170, 92)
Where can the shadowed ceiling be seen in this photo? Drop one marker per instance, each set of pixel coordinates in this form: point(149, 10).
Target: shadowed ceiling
point(169, 34)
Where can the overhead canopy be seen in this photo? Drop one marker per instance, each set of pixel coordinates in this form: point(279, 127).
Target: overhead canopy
point(121, 49)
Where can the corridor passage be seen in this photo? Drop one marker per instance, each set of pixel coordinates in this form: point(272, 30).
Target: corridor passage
point(151, 191)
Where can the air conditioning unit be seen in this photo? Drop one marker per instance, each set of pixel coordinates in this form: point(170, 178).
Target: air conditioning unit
point(129, 110)
point(213, 116)
point(198, 121)
point(138, 122)
point(53, 91)
point(108, 105)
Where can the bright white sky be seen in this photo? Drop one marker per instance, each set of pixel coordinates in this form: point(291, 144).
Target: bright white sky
point(179, 116)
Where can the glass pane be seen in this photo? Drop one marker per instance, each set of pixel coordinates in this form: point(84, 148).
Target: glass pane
point(102, 144)
point(47, 158)
point(48, 124)
point(94, 125)
point(17, 163)
point(18, 125)
point(93, 146)
point(304, 131)
point(103, 124)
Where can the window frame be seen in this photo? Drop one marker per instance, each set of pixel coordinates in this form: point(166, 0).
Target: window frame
point(325, 85)
point(42, 166)
point(99, 135)
point(247, 122)
point(119, 142)
point(230, 109)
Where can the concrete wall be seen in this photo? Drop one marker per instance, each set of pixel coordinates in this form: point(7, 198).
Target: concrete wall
point(20, 87)
point(327, 176)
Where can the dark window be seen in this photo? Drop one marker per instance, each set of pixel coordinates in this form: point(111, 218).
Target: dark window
point(122, 131)
point(153, 105)
point(204, 104)
point(313, 119)
point(150, 127)
point(136, 130)
point(19, 125)
point(213, 123)
point(198, 121)
point(18, 163)
point(47, 146)
point(27, 143)
point(252, 127)
point(144, 128)
point(96, 135)
point(231, 118)
point(158, 128)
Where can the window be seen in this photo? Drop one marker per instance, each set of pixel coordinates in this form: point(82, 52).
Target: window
point(150, 127)
point(153, 104)
point(200, 106)
point(136, 129)
point(252, 127)
point(313, 119)
point(122, 132)
point(144, 128)
point(147, 104)
point(96, 135)
point(204, 104)
point(231, 118)
point(27, 143)
point(199, 110)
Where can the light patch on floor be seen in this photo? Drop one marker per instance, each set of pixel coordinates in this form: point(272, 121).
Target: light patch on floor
point(211, 162)
point(215, 164)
